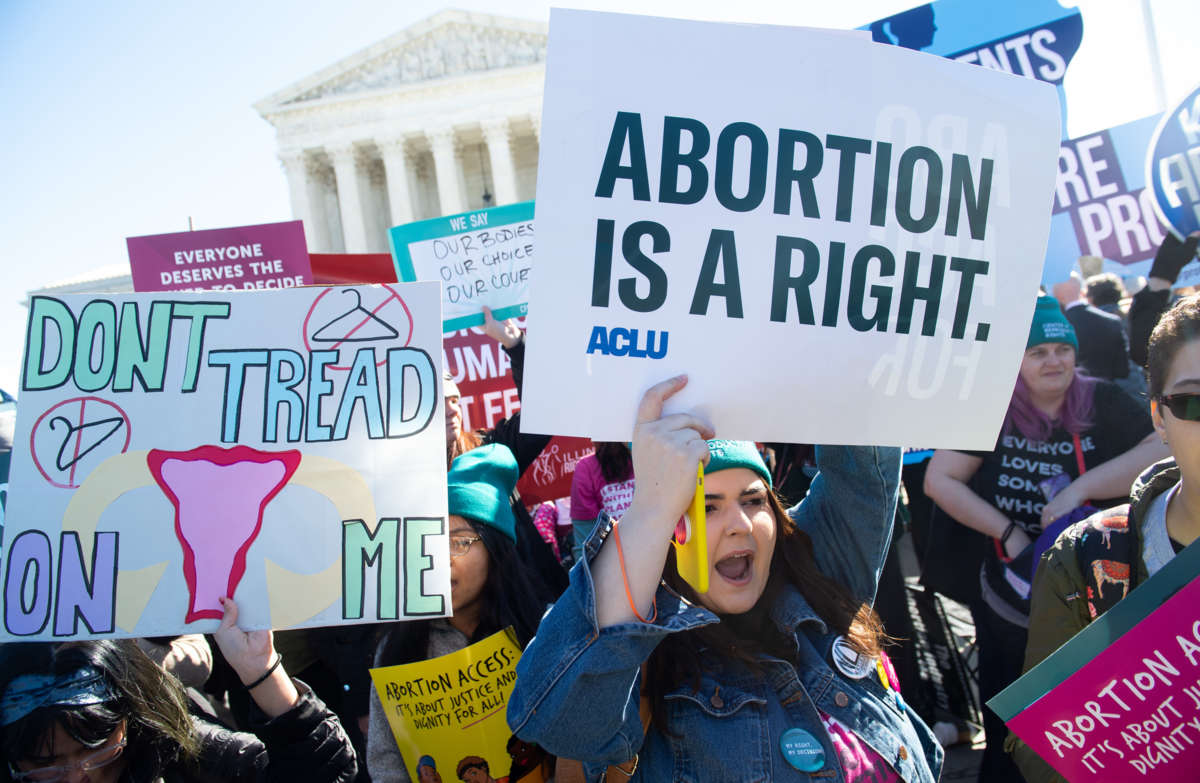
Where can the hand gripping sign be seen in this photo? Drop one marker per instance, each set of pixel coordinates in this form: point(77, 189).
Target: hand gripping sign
point(286, 448)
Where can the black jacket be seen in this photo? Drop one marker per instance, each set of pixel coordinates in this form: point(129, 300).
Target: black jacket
point(1103, 349)
point(305, 743)
point(526, 448)
point(1145, 310)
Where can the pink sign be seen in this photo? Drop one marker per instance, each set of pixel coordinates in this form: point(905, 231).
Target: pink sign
point(243, 258)
point(1133, 712)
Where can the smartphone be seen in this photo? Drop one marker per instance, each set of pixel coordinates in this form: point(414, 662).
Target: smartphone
point(691, 543)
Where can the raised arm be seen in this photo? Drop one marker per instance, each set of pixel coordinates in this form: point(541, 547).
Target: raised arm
point(252, 656)
point(525, 447)
point(849, 512)
point(302, 739)
point(578, 681)
point(665, 454)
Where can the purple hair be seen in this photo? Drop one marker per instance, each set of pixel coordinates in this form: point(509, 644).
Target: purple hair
point(1075, 413)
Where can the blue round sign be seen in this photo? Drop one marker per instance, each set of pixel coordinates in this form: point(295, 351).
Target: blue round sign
point(1173, 166)
point(802, 750)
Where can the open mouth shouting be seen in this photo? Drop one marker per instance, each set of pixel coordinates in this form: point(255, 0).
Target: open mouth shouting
point(736, 568)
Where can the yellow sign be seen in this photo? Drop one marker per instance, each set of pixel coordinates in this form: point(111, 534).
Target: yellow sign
point(448, 713)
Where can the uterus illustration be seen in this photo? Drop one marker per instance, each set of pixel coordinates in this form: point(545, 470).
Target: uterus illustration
point(219, 497)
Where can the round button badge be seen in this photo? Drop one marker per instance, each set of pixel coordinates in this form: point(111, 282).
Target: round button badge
point(802, 750)
point(849, 661)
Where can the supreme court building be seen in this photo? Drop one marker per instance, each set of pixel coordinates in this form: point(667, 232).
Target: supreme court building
point(442, 117)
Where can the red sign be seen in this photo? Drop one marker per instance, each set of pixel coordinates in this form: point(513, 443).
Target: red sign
point(352, 268)
point(550, 475)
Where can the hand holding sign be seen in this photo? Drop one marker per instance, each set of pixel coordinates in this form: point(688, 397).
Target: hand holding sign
point(253, 658)
point(665, 452)
point(505, 332)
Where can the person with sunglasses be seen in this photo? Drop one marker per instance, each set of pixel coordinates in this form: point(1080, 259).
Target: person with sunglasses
point(1068, 440)
point(102, 711)
point(1130, 542)
point(491, 588)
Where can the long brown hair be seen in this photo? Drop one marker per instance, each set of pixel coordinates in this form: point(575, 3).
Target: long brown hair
point(466, 440)
point(677, 660)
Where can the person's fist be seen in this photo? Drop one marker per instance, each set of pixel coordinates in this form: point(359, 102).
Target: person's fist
point(666, 452)
point(1173, 255)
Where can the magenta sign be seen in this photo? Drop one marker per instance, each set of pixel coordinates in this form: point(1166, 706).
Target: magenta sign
point(1133, 712)
point(243, 258)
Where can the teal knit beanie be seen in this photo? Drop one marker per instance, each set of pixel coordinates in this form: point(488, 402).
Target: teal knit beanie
point(726, 454)
point(479, 485)
point(1050, 325)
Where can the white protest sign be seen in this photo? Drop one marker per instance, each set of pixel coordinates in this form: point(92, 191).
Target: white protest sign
point(480, 258)
point(838, 241)
point(286, 448)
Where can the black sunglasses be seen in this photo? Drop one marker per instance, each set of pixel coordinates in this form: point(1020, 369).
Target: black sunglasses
point(1183, 406)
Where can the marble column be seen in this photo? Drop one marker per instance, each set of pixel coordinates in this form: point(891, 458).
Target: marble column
point(396, 165)
point(350, 196)
point(497, 134)
point(304, 190)
point(295, 166)
point(445, 161)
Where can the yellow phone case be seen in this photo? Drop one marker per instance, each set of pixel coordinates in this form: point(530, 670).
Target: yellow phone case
point(691, 556)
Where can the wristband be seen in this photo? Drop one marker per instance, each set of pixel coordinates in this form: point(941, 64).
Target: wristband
point(270, 671)
point(1008, 531)
point(628, 592)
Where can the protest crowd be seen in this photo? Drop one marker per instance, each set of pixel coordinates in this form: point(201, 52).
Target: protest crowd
point(789, 583)
point(821, 634)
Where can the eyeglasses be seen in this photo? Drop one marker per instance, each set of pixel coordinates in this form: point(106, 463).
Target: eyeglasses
point(1183, 406)
point(459, 546)
point(101, 758)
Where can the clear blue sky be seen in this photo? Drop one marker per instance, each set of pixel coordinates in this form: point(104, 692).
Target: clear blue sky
point(127, 118)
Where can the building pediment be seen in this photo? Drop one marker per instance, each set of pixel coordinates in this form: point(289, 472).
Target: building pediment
point(447, 45)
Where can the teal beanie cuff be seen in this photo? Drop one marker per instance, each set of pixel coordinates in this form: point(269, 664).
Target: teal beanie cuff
point(726, 454)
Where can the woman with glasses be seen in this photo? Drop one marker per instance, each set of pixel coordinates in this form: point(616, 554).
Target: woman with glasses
point(102, 711)
point(1067, 441)
point(537, 552)
point(490, 587)
point(1096, 562)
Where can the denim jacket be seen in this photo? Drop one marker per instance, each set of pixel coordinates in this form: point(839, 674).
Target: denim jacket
point(578, 686)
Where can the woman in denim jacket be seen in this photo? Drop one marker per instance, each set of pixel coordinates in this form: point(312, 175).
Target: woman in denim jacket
point(774, 674)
